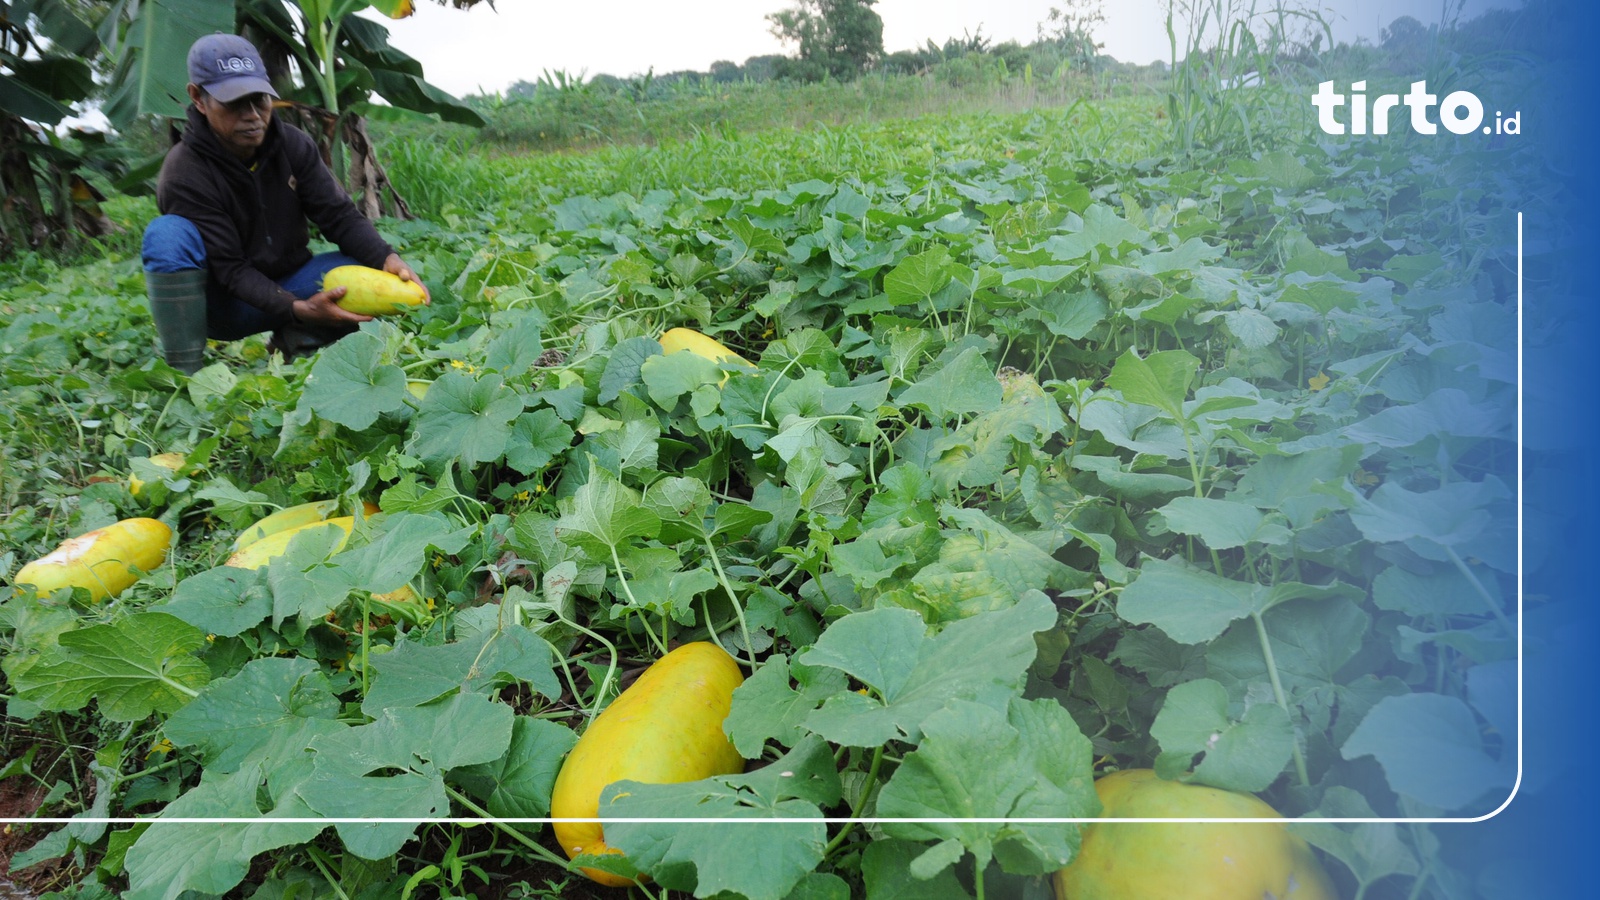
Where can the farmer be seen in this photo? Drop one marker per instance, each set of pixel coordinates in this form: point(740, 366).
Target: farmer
point(229, 256)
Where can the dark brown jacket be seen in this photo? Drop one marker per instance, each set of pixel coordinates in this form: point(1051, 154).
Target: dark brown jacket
point(253, 221)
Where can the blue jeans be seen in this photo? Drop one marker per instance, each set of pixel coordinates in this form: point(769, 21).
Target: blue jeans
point(173, 244)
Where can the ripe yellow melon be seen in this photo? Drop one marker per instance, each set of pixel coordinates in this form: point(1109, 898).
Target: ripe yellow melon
point(259, 553)
point(173, 461)
point(103, 561)
point(373, 292)
point(1165, 860)
point(665, 729)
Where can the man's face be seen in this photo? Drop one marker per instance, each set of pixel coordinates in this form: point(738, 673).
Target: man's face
point(240, 125)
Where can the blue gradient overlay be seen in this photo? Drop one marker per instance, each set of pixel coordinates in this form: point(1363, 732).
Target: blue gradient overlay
point(1539, 847)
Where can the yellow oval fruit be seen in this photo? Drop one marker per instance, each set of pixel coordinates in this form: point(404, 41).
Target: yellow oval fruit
point(291, 517)
point(665, 729)
point(261, 552)
point(372, 292)
point(693, 341)
point(173, 461)
point(102, 561)
point(1224, 861)
point(418, 388)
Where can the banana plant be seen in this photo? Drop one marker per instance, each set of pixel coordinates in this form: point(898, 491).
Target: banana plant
point(343, 62)
point(43, 71)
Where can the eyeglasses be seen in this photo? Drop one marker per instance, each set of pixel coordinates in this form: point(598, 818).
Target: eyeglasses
point(261, 102)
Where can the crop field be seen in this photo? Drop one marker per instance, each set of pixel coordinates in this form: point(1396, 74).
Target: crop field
point(1042, 452)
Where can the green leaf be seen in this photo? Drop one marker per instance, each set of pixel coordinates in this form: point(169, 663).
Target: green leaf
point(351, 385)
point(917, 278)
point(1244, 755)
point(983, 659)
point(305, 584)
point(962, 386)
point(234, 717)
point(150, 77)
point(518, 784)
point(169, 860)
point(772, 857)
point(399, 551)
point(1430, 749)
point(1371, 850)
point(1444, 413)
point(821, 886)
point(957, 773)
point(1192, 606)
point(766, 708)
point(1160, 380)
point(669, 377)
point(624, 364)
point(420, 743)
point(1071, 316)
point(1450, 515)
point(413, 674)
point(516, 344)
point(604, 515)
point(1222, 524)
point(136, 666)
point(753, 238)
point(536, 439)
point(407, 91)
point(223, 601)
point(464, 419)
point(886, 869)
point(1444, 592)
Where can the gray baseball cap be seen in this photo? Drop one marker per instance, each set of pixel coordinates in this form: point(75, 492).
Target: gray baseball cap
point(228, 67)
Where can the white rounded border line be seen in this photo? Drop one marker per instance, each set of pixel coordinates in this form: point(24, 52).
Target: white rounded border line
point(1516, 786)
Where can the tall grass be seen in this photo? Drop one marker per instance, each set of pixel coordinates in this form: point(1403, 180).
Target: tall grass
point(443, 177)
point(1238, 67)
point(569, 114)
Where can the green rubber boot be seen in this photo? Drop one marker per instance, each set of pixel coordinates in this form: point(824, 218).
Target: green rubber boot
point(178, 305)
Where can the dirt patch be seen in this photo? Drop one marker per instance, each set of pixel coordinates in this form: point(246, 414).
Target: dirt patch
point(19, 799)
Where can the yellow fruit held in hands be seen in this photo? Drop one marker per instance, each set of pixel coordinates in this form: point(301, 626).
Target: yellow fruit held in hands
point(372, 292)
point(102, 561)
point(1163, 860)
point(290, 517)
point(665, 729)
point(173, 461)
point(261, 552)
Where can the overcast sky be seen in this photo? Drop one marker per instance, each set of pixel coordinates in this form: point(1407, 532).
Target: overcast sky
point(487, 50)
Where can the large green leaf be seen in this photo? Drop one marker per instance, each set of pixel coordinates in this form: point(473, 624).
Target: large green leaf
point(19, 98)
point(772, 856)
point(913, 676)
point(138, 665)
point(978, 762)
point(151, 76)
point(410, 92)
point(169, 860)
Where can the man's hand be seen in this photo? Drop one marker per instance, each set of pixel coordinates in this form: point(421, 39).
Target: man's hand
point(396, 266)
point(322, 308)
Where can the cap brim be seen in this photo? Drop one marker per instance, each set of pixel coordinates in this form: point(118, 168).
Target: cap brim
point(232, 89)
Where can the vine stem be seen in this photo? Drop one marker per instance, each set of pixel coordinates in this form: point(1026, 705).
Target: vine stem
point(1283, 700)
point(510, 832)
point(316, 858)
point(181, 688)
point(861, 801)
point(600, 694)
point(738, 609)
point(1461, 566)
point(633, 601)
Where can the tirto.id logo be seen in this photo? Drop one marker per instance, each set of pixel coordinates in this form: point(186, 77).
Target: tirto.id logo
point(1461, 112)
